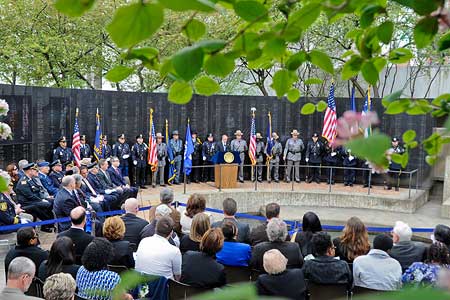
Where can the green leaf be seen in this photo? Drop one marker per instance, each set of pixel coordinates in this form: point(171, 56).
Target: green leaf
point(413, 144)
point(379, 63)
point(391, 97)
point(372, 148)
point(321, 106)
point(134, 23)
point(275, 47)
point(183, 5)
point(195, 29)
point(396, 107)
point(422, 7)
point(144, 54)
point(321, 60)
point(250, 11)
point(210, 46)
point(444, 42)
point(188, 62)
point(397, 158)
point(308, 109)
point(239, 291)
point(313, 81)
point(205, 85)
point(385, 31)
point(370, 72)
point(425, 30)
point(400, 55)
point(3, 184)
point(303, 18)
point(352, 67)
point(296, 60)
point(118, 73)
point(441, 100)
point(447, 124)
point(368, 14)
point(73, 8)
point(430, 159)
point(409, 136)
point(293, 95)
point(219, 65)
point(180, 92)
point(282, 82)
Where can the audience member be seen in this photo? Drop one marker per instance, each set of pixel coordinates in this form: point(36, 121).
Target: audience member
point(200, 225)
point(404, 250)
point(60, 260)
point(353, 242)
point(425, 273)
point(27, 245)
point(59, 286)
point(200, 268)
point(277, 232)
point(65, 201)
point(20, 275)
point(233, 253)
point(133, 223)
point(442, 234)
point(13, 172)
point(150, 229)
point(10, 212)
point(56, 174)
point(195, 204)
point(229, 211)
point(279, 281)
point(47, 182)
point(310, 225)
point(156, 256)
point(259, 234)
point(76, 232)
point(114, 231)
point(166, 197)
point(324, 268)
point(118, 180)
point(94, 281)
point(377, 270)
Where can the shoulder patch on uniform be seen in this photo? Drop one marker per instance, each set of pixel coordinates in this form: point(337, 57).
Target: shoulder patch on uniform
point(23, 182)
point(3, 206)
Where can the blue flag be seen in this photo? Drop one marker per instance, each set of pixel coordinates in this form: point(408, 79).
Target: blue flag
point(172, 170)
point(98, 134)
point(269, 138)
point(188, 150)
point(352, 100)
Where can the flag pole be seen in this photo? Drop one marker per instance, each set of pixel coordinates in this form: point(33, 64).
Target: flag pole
point(269, 140)
point(253, 110)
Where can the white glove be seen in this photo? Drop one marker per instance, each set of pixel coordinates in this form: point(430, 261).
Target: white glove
point(204, 157)
point(333, 154)
point(108, 191)
point(126, 156)
point(306, 159)
point(135, 162)
point(350, 158)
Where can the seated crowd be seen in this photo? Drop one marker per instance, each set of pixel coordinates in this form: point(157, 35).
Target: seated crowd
point(201, 254)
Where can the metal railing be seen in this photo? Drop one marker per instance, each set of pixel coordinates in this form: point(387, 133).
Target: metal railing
point(333, 169)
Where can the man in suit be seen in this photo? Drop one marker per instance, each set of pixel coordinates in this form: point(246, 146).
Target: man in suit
point(113, 198)
point(117, 178)
point(259, 234)
point(223, 145)
point(76, 232)
point(91, 194)
point(47, 182)
point(65, 201)
point(106, 182)
point(20, 276)
point(229, 212)
point(133, 224)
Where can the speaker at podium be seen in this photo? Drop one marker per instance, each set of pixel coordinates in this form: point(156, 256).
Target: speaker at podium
point(226, 169)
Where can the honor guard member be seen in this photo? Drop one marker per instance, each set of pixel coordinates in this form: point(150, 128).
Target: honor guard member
point(161, 153)
point(313, 158)
point(331, 159)
point(274, 163)
point(196, 173)
point(209, 148)
point(85, 149)
point(177, 150)
point(139, 156)
point(57, 174)
point(123, 152)
point(292, 155)
point(349, 162)
point(106, 149)
point(396, 168)
point(62, 153)
point(223, 145)
point(47, 182)
point(28, 196)
point(259, 156)
point(239, 145)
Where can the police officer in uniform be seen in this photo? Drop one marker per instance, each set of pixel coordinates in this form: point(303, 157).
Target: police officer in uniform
point(85, 149)
point(239, 145)
point(56, 174)
point(260, 146)
point(350, 161)
point(47, 182)
point(177, 149)
point(28, 196)
point(293, 155)
point(209, 148)
point(122, 151)
point(62, 153)
point(331, 159)
point(396, 168)
point(274, 162)
point(139, 157)
point(196, 173)
point(313, 158)
point(10, 212)
point(106, 149)
point(161, 153)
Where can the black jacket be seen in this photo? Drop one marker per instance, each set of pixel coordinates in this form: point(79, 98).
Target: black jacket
point(290, 250)
point(202, 270)
point(133, 228)
point(259, 235)
point(243, 229)
point(186, 244)
point(69, 269)
point(303, 239)
point(35, 253)
point(62, 205)
point(123, 254)
point(314, 152)
point(327, 270)
point(81, 240)
point(407, 253)
point(290, 284)
point(220, 148)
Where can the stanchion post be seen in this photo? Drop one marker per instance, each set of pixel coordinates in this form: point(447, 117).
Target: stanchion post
point(184, 182)
point(256, 179)
point(330, 178)
point(409, 185)
point(292, 178)
point(417, 181)
point(370, 182)
point(220, 177)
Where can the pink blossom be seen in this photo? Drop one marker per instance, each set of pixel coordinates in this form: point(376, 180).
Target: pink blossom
point(5, 131)
point(352, 125)
point(4, 107)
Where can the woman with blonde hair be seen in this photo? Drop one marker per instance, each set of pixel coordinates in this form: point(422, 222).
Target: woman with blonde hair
point(114, 231)
point(353, 242)
point(200, 224)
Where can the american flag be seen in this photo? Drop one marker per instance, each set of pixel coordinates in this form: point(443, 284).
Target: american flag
point(330, 120)
point(76, 140)
point(152, 153)
point(252, 147)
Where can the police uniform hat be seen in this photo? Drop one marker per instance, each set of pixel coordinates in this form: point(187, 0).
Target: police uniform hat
point(295, 132)
point(122, 135)
point(175, 132)
point(83, 137)
point(62, 139)
point(55, 163)
point(194, 132)
point(104, 137)
point(29, 166)
point(85, 161)
point(139, 136)
point(394, 139)
point(210, 135)
point(258, 135)
point(238, 133)
point(43, 164)
point(315, 134)
point(92, 165)
point(159, 135)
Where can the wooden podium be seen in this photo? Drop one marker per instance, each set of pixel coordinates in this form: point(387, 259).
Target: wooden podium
point(225, 174)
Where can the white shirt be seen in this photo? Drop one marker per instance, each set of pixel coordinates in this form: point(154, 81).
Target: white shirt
point(156, 256)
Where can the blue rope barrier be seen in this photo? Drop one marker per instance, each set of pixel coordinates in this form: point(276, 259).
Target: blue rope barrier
point(293, 224)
